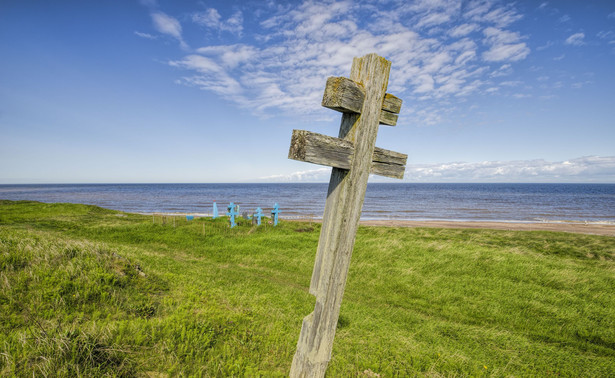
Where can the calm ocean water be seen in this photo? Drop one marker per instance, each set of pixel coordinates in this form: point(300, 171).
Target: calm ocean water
point(464, 202)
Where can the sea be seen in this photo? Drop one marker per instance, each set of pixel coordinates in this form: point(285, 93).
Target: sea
point(525, 203)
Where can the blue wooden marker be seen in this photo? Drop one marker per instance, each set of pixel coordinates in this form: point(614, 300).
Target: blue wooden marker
point(274, 214)
point(258, 215)
point(215, 210)
point(231, 213)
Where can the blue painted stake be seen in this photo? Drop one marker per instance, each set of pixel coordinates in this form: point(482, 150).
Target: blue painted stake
point(274, 214)
point(215, 210)
point(258, 215)
point(231, 213)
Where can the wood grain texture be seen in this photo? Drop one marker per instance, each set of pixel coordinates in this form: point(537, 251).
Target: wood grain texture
point(391, 103)
point(341, 220)
point(347, 96)
point(335, 152)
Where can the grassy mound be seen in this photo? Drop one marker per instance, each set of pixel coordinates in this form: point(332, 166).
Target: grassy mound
point(94, 292)
point(54, 291)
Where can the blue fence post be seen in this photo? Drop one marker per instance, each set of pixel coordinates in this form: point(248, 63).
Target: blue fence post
point(231, 213)
point(215, 210)
point(274, 214)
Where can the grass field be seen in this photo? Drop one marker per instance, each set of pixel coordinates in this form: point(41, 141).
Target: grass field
point(87, 291)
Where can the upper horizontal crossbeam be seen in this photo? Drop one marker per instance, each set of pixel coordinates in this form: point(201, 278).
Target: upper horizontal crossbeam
point(347, 96)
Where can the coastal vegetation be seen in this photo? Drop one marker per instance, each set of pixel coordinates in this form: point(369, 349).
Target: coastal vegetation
point(86, 291)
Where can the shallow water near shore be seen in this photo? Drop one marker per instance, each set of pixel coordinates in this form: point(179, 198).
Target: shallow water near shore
point(593, 203)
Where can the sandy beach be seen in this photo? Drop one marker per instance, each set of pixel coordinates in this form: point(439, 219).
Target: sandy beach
point(574, 227)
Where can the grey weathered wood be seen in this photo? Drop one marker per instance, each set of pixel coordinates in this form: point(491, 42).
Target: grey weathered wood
point(341, 220)
point(347, 96)
point(388, 118)
point(391, 103)
point(335, 152)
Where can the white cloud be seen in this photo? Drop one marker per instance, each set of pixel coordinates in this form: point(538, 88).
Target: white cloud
point(311, 175)
point(230, 56)
point(463, 30)
point(583, 169)
point(577, 39)
point(505, 46)
point(503, 70)
point(432, 19)
point(606, 35)
point(211, 76)
point(166, 24)
point(545, 46)
point(484, 12)
point(581, 84)
point(611, 15)
point(145, 35)
point(283, 68)
point(211, 18)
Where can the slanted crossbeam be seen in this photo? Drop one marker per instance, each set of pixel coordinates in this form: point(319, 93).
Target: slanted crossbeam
point(335, 152)
point(365, 104)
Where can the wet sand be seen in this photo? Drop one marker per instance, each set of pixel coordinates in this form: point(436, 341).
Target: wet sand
point(580, 228)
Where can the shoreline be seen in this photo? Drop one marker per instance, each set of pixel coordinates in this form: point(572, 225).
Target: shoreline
point(579, 227)
point(571, 227)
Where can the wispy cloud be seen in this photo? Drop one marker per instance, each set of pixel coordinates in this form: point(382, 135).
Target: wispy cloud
point(577, 39)
point(168, 25)
point(145, 35)
point(283, 67)
point(311, 175)
point(583, 169)
point(504, 46)
point(607, 35)
point(463, 30)
point(212, 19)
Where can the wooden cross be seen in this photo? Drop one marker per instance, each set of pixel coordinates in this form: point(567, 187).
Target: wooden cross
point(353, 156)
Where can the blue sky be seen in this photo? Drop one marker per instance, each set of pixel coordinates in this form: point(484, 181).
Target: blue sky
point(209, 91)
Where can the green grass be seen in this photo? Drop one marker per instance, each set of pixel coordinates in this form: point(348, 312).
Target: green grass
point(92, 292)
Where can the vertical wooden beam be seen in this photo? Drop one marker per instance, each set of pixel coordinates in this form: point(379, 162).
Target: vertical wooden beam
point(341, 220)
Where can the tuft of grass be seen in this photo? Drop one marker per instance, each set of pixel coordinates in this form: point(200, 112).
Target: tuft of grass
point(94, 292)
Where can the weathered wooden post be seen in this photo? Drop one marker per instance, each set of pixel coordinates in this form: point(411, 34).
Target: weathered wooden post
point(353, 156)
